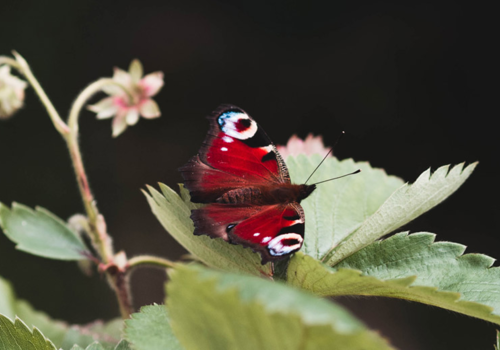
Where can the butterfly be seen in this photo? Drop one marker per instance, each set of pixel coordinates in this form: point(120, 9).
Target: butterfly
point(251, 200)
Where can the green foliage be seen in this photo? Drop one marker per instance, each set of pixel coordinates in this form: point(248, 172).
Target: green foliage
point(124, 345)
point(411, 267)
point(337, 208)
point(60, 333)
point(17, 336)
point(404, 205)
point(41, 233)
point(214, 310)
point(150, 329)
point(174, 215)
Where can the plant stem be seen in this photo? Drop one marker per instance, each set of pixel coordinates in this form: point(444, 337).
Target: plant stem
point(116, 275)
point(154, 261)
point(24, 68)
point(99, 236)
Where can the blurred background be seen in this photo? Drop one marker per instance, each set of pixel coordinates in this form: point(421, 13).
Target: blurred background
point(410, 82)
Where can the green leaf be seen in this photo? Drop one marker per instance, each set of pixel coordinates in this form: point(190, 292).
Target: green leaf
point(93, 346)
point(60, 333)
point(497, 346)
point(411, 267)
point(404, 205)
point(215, 310)
point(124, 345)
point(41, 233)
point(17, 336)
point(337, 208)
point(174, 215)
point(150, 329)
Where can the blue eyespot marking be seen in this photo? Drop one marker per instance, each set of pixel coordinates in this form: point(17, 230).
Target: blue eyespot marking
point(228, 115)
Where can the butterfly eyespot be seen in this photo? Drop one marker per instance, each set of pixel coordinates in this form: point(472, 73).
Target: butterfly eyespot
point(237, 124)
point(243, 124)
point(285, 244)
point(289, 242)
point(245, 183)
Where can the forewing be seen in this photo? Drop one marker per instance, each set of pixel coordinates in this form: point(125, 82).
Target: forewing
point(274, 231)
point(236, 153)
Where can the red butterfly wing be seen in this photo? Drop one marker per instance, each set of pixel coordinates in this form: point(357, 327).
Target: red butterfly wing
point(272, 230)
point(236, 153)
point(253, 203)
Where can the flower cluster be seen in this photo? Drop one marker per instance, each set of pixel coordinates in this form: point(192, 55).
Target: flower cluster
point(11, 92)
point(126, 108)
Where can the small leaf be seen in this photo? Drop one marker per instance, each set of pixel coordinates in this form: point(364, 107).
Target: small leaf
point(17, 336)
point(41, 233)
point(123, 345)
point(150, 329)
point(60, 333)
point(411, 267)
point(404, 205)
point(215, 310)
point(174, 215)
point(338, 208)
point(497, 346)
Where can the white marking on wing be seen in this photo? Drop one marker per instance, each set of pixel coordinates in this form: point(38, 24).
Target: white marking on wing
point(229, 120)
point(277, 248)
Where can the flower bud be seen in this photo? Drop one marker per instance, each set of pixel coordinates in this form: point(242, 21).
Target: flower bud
point(11, 92)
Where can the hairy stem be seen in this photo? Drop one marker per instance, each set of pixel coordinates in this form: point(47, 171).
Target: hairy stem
point(99, 236)
point(24, 69)
point(116, 277)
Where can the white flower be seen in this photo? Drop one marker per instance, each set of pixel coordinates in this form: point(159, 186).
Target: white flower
point(118, 104)
point(11, 92)
point(311, 145)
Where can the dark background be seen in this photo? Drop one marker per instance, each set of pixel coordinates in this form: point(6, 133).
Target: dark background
point(411, 83)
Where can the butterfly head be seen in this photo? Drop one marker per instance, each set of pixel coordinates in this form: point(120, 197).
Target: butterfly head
point(305, 191)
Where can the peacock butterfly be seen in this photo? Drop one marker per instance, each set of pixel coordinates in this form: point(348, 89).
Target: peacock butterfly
point(251, 201)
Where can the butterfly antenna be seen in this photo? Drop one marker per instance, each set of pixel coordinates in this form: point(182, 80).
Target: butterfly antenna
point(330, 151)
point(338, 177)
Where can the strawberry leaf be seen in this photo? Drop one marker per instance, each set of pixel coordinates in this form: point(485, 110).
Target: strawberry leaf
point(337, 208)
point(150, 329)
point(174, 214)
point(215, 310)
point(39, 232)
point(404, 205)
point(60, 333)
point(411, 267)
point(17, 336)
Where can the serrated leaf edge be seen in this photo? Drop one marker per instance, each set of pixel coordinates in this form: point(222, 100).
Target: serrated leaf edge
point(343, 250)
point(407, 282)
point(35, 332)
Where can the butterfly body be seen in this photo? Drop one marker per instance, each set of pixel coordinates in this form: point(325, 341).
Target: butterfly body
point(241, 176)
point(266, 195)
